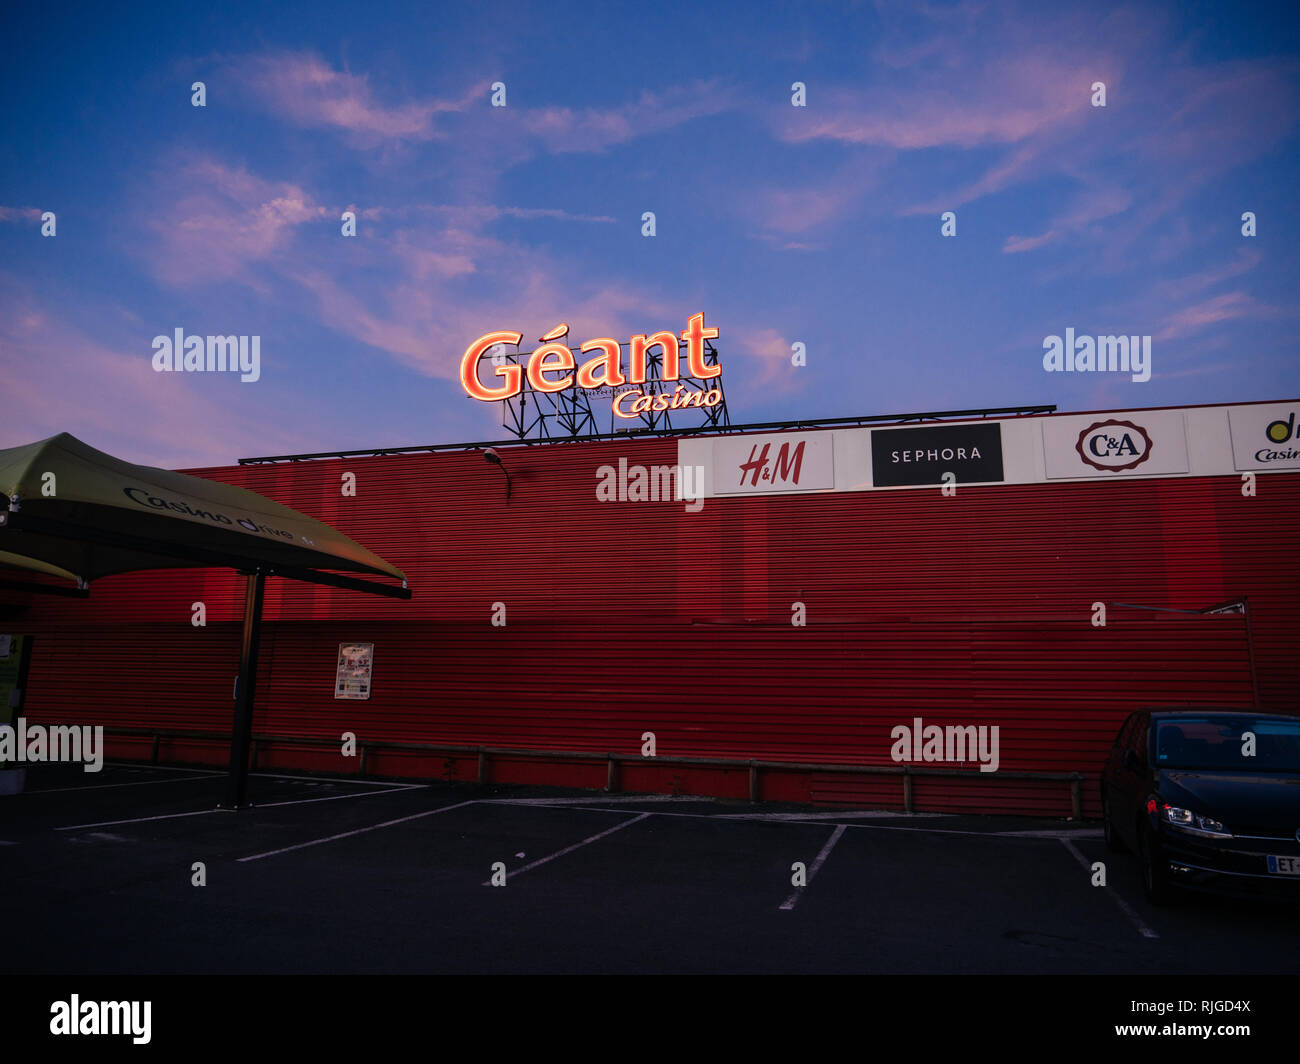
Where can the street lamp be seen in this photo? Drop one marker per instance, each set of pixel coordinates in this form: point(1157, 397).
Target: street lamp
point(492, 458)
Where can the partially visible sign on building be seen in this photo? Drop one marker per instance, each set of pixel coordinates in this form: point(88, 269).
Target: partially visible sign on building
point(356, 662)
point(1107, 445)
point(14, 654)
point(761, 465)
point(1265, 436)
point(905, 457)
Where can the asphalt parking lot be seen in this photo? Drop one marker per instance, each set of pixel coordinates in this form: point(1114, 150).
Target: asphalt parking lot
point(370, 876)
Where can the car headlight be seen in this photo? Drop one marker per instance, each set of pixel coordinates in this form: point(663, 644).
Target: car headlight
point(1194, 823)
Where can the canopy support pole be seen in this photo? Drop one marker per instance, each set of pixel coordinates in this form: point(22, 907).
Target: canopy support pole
point(246, 687)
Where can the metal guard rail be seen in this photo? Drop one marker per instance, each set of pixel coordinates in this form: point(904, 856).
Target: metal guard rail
point(908, 772)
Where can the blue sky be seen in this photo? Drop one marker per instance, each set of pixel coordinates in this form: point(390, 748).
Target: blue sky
point(818, 224)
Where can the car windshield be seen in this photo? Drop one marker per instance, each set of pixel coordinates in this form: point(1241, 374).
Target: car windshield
point(1233, 743)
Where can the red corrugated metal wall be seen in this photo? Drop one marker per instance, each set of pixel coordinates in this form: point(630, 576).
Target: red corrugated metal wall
point(623, 618)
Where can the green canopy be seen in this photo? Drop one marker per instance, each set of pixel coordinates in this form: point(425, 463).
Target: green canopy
point(17, 561)
point(78, 513)
point(87, 513)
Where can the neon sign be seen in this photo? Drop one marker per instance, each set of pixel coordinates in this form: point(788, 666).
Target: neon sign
point(605, 370)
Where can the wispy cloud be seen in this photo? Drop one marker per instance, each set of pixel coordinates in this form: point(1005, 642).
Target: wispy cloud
point(20, 214)
point(399, 291)
point(1093, 205)
point(303, 89)
point(971, 103)
point(1180, 288)
point(221, 220)
point(1229, 306)
point(564, 129)
point(768, 363)
point(57, 378)
point(480, 213)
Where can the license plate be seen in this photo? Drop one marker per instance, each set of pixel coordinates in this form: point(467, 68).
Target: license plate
point(1284, 866)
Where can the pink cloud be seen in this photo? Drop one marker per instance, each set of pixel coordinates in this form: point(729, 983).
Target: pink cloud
point(480, 213)
point(1226, 307)
point(562, 129)
point(20, 214)
point(1003, 103)
point(780, 211)
point(56, 378)
point(401, 293)
point(1181, 288)
point(423, 323)
point(1014, 244)
point(790, 210)
point(768, 353)
point(1092, 206)
point(224, 220)
point(303, 89)
point(1021, 164)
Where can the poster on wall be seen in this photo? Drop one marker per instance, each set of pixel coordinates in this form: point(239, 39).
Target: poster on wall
point(352, 678)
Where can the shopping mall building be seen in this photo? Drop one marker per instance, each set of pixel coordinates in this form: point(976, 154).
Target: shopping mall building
point(783, 613)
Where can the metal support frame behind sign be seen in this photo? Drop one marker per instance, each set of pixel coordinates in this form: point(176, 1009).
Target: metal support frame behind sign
point(713, 416)
point(568, 414)
point(533, 415)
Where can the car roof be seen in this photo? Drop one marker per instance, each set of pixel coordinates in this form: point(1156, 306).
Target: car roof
point(1215, 711)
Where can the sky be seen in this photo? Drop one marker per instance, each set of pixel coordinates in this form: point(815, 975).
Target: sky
point(820, 225)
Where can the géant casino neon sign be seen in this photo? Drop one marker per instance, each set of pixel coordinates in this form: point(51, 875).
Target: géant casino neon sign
point(605, 370)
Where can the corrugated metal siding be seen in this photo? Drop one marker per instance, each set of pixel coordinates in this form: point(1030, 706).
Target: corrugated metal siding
point(632, 617)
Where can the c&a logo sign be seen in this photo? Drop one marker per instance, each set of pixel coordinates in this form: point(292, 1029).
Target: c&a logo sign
point(1114, 445)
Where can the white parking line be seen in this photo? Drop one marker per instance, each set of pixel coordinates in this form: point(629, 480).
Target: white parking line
point(358, 831)
point(843, 814)
point(139, 767)
point(337, 797)
point(1124, 906)
point(622, 798)
point(335, 779)
point(818, 861)
point(765, 818)
point(142, 819)
point(107, 786)
point(577, 845)
point(205, 812)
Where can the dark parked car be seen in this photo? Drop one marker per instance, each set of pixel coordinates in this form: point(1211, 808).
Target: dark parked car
point(1209, 799)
